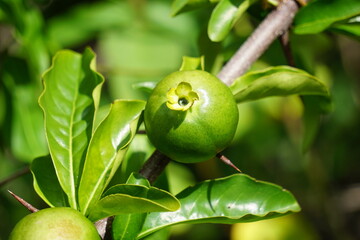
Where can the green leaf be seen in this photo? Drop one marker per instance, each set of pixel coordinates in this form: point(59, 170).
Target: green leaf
point(351, 29)
point(181, 6)
point(69, 101)
point(233, 199)
point(128, 226)
point(319, 15)
point(127, 198)
point(107, 149)
point(137, 179)
point(276, 81)
point(46, 183)
point(192, 63)
point(224, 16)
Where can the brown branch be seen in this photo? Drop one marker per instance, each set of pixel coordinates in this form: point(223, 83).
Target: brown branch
point(154, 166)
point(274, 25)
point(285, 45)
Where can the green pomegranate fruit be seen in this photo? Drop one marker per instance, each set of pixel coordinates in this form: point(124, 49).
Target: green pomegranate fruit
point(55, 224)
point(191, 116)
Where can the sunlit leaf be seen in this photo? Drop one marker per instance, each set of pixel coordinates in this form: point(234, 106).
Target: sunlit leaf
point(276, 81)
point(128, 226)
point(46, 184)
point(127, 198)
point(107, 149)
point(319, 15)
point(233, 199)
point(69, 101)
point(224, 16)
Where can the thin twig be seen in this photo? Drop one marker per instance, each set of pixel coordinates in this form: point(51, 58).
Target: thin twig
point(30, 207)
point(14, 176)
point(227, 161)
point(285, 44)
point(274, 25)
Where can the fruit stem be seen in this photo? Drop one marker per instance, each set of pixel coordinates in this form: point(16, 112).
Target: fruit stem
point(30, 207)
point(227, 161)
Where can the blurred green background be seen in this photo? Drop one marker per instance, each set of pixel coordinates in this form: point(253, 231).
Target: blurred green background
point(138, 41)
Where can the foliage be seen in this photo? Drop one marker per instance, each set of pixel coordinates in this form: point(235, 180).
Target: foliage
point(80, 136)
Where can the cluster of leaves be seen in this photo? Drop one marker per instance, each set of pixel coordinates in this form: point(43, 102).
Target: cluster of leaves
point(315, 17)
point(82, 162)
point(88, 149)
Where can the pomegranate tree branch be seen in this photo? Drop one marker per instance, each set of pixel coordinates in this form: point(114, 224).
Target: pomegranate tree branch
point(273, 26)
point(154, 166)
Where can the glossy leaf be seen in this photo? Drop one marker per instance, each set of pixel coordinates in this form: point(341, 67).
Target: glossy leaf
point(233, 199)
point(69, 101)
point(319, 15)
point(128, 226)
point(224, 16)
point(180, 6)
point(46, 183)
point(127, 198)
point(137, 179)
point(276, 81)
point(107, 149)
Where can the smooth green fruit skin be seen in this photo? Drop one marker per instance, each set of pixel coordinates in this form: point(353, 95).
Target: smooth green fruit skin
point(199, 133)
point(55, 224)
